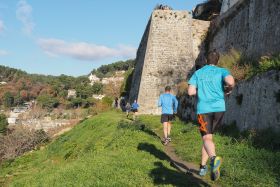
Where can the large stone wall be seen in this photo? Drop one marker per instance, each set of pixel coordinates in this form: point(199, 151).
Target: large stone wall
point(227, 4)
point(255, 103)
point(249, 26)
point(253, 28)
point(140, 57)
point(164, 57)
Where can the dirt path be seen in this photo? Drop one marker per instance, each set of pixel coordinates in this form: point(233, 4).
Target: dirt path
point(186, 167)
point(62, 131)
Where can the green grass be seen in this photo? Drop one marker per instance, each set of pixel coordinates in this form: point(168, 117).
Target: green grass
point(102, 151)
point(244, 164)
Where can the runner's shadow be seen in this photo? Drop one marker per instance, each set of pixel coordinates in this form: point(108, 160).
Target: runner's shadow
point(150, 148)
point(163, 175)
point(145, 129)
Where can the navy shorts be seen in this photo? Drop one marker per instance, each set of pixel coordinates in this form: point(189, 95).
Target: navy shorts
point(209, 122)
point(134, 110)
point(167, 118)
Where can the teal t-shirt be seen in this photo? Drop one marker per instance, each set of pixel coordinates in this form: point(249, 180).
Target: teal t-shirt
point(209, 82)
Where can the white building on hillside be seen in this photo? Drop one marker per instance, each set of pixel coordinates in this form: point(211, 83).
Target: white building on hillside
point(93, 79)
point(99, 97)
point(3, 83)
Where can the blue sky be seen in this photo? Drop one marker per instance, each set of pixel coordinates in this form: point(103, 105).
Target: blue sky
point(73, 36)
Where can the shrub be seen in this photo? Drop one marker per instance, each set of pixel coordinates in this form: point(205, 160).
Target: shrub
point(107, 101)
point(47, 101)
point(97, 88)
point(234, 62)
point(3, 123)
point(20, 140)
point(244, 68)
point(8, 100)
point(182, 88)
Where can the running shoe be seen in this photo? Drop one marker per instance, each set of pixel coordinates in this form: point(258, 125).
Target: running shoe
point(165, 142)
point(203, 170)
point(215, 168)
point(169, 139)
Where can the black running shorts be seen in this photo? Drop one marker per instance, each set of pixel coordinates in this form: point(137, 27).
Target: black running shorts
point(167, 118)
point(209, 122)
point(134, 110)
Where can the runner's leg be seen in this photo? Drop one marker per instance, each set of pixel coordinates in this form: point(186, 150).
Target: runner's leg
point(168, 128)
point(204, 156)
point(165, 129)
point(209, 145)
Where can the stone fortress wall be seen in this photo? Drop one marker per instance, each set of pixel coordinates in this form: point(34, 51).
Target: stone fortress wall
point(164, 57)
point(250, 26)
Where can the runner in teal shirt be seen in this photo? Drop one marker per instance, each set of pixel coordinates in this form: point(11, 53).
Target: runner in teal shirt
point(209, 81)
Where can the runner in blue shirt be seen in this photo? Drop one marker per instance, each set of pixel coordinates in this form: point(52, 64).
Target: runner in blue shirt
point(169, 105)
point(208, 83)
point(134, 109)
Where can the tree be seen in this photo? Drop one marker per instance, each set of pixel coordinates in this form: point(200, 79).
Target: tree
point(76, 102)
point(97, 88)
point(18, 100)
point(8, 100)
point(48, 102)
point(84, 91)
point(3, 123)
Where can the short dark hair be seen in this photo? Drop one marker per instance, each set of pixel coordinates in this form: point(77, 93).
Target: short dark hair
point(167, 88)
point(213, 57)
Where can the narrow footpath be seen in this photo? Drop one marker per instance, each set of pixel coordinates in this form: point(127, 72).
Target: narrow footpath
point(186, 167)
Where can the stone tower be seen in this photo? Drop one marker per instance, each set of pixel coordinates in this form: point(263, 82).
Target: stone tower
point(164, 57)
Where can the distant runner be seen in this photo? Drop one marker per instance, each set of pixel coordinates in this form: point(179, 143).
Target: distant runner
point(209, 83)
point(128, 108)
point(169, 105)
point(134, 109)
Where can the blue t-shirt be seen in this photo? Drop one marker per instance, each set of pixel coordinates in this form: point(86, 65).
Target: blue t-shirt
point(168, 103)
point(209, 81)
point(135, 106)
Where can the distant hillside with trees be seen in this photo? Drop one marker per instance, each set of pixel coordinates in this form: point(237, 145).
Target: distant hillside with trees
point(109, 69)
point(52, 91)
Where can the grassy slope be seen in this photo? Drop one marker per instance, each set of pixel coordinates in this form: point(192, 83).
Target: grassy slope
point(243, 164)
point(97, 152)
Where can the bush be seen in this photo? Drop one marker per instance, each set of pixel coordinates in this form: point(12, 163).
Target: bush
point(182, 88)
point(107, 101)
point(20, 140)
point(97, 88)
point(47, 101)
point(8, 100)
point(234, 62)
point(243, 68)
point(3, 123)
point(266, 63)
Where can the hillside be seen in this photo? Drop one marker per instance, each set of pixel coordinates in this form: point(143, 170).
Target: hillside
point(103, 151)
point(109, 69)
point(18, 87)
point(109, 150)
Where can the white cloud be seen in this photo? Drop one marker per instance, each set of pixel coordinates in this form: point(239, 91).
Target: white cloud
point(2, 26)
point(3, 52)
point(24, 14)
point(83, 50)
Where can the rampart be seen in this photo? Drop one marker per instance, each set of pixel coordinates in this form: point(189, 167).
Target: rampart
point(164, 57)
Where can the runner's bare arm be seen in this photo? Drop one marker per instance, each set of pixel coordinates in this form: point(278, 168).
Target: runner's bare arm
point(191, 90)
point(229, 80)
